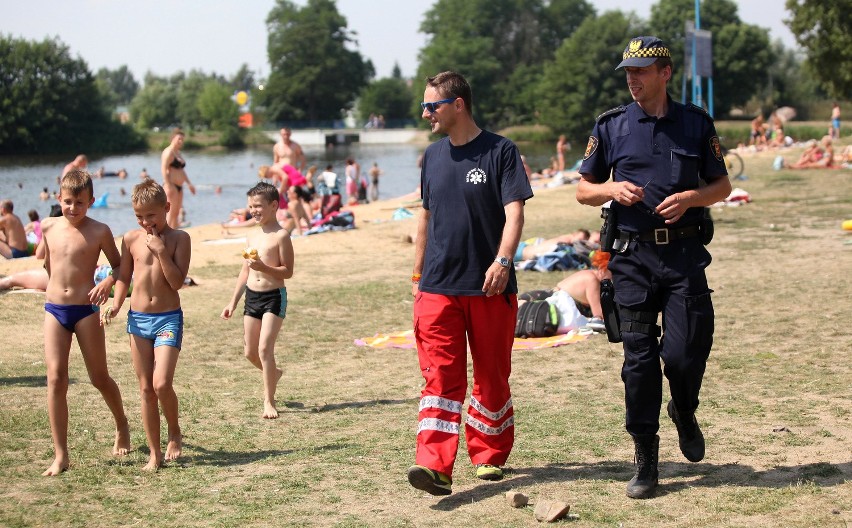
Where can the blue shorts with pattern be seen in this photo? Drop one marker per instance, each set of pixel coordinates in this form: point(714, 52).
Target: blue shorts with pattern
point(165, 329)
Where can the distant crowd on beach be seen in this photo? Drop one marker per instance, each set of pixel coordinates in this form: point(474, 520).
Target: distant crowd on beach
point(306, 195)
point(819, 153)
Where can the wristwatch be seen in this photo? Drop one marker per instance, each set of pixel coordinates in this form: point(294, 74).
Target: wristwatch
point(503, 261)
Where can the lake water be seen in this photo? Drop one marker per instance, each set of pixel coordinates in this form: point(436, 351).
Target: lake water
point(22, 179)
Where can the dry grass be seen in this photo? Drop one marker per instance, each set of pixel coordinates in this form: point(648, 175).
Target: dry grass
point(338, 455)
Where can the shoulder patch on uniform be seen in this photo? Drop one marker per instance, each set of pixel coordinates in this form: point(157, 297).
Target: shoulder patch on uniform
point(716, 148)
point(699, 110)
point(611, 111)
point(591, 146)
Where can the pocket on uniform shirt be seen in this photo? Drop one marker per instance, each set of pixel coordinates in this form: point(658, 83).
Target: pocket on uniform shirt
point(684, 169)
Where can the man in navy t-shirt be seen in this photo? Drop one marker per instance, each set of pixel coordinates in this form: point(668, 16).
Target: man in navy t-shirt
point(473, 187)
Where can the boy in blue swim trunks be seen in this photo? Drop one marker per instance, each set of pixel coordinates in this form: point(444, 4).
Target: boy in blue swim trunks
point(72, 245)
point(157, 257)
point(262, 278)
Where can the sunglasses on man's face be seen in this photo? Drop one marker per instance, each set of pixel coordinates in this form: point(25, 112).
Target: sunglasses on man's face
point(433, 106)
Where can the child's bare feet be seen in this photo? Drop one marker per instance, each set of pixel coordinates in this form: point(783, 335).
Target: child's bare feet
point(155, 461)
point(122, 440)
point(269, 410)
point(59, 465)
point(174, 447)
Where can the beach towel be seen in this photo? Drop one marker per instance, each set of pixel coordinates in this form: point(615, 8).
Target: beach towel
point(406, 340)
point(563, 258)
point(401, 214)
point(337, 221)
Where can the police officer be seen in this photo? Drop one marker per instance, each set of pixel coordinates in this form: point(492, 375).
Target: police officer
point(666, 166)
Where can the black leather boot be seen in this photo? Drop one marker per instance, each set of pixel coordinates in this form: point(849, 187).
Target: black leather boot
point(689, 435)
point(644, 482)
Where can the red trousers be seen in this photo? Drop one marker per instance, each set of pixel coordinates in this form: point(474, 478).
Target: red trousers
point(443, 327)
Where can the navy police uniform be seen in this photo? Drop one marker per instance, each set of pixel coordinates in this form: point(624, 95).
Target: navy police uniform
point(661, 267)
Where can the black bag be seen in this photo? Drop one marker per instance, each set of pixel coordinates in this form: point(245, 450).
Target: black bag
point(535, 295)
point(705, 228)
point(536, 319)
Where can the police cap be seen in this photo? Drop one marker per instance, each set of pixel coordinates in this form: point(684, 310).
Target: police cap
point(643, 51)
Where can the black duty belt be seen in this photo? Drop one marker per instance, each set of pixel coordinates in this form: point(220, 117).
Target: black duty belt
point(664, 236)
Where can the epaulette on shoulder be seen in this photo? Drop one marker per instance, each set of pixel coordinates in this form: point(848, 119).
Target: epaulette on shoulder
point(698, 110)
point(612, 111)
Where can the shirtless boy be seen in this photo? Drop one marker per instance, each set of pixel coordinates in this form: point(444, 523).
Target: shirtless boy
point(72, 245)
point(13, 242)
point(287, 152)
point(262, 278)
point(157, 257)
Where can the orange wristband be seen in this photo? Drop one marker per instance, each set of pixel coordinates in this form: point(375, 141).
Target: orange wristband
point(416, 277)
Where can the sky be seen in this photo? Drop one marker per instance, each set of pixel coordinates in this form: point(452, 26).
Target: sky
point(218, 36)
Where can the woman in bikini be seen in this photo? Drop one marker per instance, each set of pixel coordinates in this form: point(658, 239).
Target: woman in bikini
point(174, 177)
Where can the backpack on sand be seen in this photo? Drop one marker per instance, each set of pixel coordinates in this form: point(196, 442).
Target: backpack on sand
point(535, 295)
point(536, 319)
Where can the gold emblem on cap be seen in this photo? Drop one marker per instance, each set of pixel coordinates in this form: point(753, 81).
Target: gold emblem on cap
point(635, 45)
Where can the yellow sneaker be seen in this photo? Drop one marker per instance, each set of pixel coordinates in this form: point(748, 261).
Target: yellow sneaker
point(429, 480)
point(489, 472)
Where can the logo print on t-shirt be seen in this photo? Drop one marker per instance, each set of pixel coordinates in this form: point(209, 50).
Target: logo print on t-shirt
point(476, 176)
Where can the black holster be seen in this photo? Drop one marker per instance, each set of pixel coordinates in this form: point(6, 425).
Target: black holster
point(609, 229)
point(705, 227)
point(612, 320)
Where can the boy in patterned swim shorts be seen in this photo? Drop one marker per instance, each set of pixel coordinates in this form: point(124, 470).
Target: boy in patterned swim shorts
point(157, 257)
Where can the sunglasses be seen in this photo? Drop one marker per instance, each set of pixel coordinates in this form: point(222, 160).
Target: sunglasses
point(433, 107)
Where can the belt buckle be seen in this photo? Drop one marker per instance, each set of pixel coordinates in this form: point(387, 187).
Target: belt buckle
point(661, 236)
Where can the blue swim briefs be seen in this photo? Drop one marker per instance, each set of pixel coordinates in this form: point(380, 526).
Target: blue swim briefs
point(69, 315)
point(165, 329)
point(20, 253)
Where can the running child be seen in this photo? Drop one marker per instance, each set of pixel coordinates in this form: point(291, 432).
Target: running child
point(72, 244)
point(262, 278)
point(157, 257)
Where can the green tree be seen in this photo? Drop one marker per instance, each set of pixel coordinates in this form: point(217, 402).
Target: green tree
point(120, 84)
point(742, 58)
point(789, 84)
point(215, 106)
point(189, 89)
point(488, 40)
point(155, 105)
point(822, 27)
point(389, 97)
point(49, 102)
point(581, 82)
point(314, 74)
point(243, 80)
point(741, 52)
point(220, 112)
